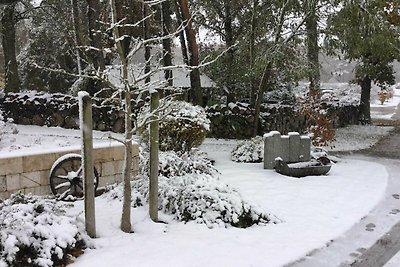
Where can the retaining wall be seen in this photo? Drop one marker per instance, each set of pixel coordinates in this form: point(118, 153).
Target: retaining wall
point(29, 173)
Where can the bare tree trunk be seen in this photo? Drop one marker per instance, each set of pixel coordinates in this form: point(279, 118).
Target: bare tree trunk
point(260, 94)
point(126, 225)
point(77, 39)
point(96, 54)
point(8, 40)
point(230, 82)
point(364, 115)
point(252, 53)
point(195, 82)
point(311, 24)
point(146, 36)
point(182, 38)
point(166, 29)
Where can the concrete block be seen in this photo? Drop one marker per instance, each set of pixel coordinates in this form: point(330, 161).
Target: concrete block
point(271, 148)
point(38, 162)
point(4, 195)
point(45, 178)
point(27, 191)
point(3, 183)
point(41, 190)
point(305, 148)
point(294, 144)
point(11, 165)
point(30, 179)
point(111, 168)
point(107, 180)
point(284, 148)
point(13, 182)
point(118, 152)
point(103, 154)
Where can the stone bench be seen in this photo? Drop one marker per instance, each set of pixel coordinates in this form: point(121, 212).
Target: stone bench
point(29, 172)
point(290, 148)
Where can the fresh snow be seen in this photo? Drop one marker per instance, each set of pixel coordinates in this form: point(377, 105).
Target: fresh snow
point(310, 212)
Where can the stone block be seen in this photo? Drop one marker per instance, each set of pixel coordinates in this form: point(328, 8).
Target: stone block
point(271, 148)
point(111, 168)
point(45, 178)
point(30, 179)
point(38, 162)
point(305, 148)
point(107, 180)
point(3, 183)
point(284, 148)
point(4, 195)
point(13, 182)
point(118, 152)
point(41, 190)
point(294, 144)
point(11, 165)
point(103, 154)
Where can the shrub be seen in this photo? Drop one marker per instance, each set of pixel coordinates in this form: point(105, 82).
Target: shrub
point(320, 124)
point(182, 126)
point(190, 190)
point(249, 150)
point(35, 231)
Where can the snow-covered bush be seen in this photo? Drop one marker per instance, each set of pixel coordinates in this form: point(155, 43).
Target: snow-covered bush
point(171, 164)
point(190, 190)
point(204, 199)
point(182, 127)
point(35, 231)
point(249, 150)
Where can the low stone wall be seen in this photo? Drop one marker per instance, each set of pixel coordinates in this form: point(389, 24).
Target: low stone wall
point(30, 173)
point(236, 120)
point(59, 110)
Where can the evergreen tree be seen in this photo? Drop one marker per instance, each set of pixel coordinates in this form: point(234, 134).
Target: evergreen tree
point(361, 31)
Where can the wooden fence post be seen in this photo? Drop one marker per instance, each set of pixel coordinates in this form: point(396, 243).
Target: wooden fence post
point(154, 146)
point(86, 125)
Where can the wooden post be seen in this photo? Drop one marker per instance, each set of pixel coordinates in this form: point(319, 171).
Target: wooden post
point(86, 124)
point(154, 146)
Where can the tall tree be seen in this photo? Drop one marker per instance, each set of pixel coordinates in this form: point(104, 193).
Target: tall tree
point(193, 49)
point(166, 30)
point(312, 34)
point(95, 40)
point(8, 21)
point(362, 32)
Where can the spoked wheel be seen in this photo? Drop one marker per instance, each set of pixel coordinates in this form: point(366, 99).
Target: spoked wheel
point(66, 181)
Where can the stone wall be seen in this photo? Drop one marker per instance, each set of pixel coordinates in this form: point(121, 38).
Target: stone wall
point(30, 173)
point(232, 121)
point(61, 110)
point(236, 120)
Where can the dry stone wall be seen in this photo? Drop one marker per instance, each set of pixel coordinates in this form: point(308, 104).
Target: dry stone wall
point(227, 121)
point(236, 120)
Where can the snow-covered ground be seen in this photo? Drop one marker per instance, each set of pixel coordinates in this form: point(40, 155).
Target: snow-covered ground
point(311, 212)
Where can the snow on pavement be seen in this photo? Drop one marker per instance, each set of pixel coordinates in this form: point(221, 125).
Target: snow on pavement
point(312, 211)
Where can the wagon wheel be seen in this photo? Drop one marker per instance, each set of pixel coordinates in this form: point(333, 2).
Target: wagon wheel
point(66, 181)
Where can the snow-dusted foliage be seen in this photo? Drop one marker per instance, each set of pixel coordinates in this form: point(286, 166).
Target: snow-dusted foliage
point(190, 190)
point(182, 126)
point(35, 231)
point(249, 150)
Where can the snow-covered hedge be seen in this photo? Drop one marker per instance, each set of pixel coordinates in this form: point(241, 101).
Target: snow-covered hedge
point(249, 150)
point(35, 231)
point(190, 190)
point(182, 127)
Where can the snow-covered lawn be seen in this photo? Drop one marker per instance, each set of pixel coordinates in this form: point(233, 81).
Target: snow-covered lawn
point(311, 212)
